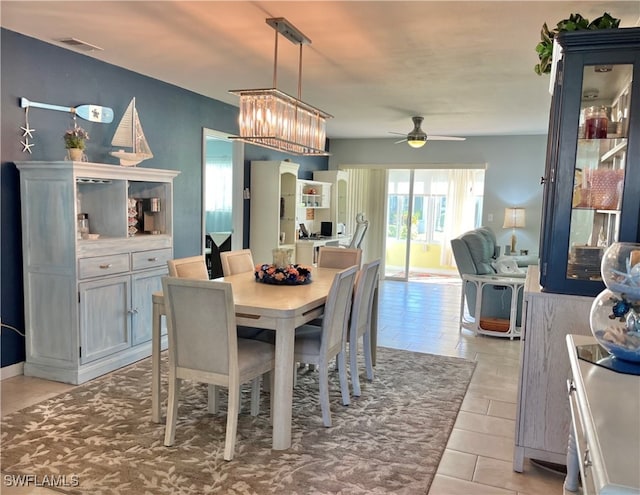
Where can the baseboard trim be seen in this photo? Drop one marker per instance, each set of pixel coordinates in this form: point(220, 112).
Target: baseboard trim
point(12, 370)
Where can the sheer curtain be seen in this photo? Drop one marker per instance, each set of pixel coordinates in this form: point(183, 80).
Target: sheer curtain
point(367, 194)
point(461, 213)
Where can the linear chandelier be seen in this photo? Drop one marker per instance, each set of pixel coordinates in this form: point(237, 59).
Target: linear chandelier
point(276, 120)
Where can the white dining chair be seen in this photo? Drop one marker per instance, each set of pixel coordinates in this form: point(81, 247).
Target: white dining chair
point(337, 257)
point(204, 347)
point(319, 345)
point(360, 321)
point(192, 267)
point(195, 267)
point(241, 261)
point(238, 261)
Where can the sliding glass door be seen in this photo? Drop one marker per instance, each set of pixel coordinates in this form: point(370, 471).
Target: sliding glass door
point(425, 210)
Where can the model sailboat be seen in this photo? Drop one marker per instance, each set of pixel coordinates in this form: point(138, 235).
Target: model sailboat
point(129, 134)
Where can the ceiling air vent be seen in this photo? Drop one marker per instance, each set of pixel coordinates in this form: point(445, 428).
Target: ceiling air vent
point(79, 44)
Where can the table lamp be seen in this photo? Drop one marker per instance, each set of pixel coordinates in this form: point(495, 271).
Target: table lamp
point(513, 219)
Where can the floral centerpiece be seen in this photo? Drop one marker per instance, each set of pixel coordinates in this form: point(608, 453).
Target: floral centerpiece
point(75, 138)
point(286, 275)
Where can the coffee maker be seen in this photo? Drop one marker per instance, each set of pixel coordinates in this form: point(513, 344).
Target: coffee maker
point(149, 218)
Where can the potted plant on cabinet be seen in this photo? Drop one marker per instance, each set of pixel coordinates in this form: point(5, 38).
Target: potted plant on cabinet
point(74, 142)
point(575, 22)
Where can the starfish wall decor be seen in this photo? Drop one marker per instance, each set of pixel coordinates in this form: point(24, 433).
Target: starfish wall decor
point(27, 132)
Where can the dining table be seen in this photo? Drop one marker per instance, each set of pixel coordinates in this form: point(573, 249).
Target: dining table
point(281, 308)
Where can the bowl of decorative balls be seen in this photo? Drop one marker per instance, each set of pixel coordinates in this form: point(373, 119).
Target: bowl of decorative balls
point(615, 324)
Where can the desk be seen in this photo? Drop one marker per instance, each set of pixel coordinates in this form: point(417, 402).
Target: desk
point(307, 248)
point(281, 308)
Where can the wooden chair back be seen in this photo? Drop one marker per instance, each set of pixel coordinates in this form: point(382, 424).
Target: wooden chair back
point(337, 257)
point(192, 267)
point(239, 261)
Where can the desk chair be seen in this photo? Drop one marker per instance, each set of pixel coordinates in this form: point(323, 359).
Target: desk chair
point(361, 228)
point(319, 345)
point(203, 346)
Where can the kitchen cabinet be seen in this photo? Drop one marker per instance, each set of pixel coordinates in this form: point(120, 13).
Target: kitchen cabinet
point(274, 196)
point(88, 300)
point(591, 193)
point(542, 410)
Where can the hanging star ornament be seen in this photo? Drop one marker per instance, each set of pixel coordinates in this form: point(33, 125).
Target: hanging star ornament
point(27, 132)
point(26, 145)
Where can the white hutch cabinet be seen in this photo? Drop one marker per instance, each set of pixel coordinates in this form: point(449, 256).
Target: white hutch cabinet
point(88, 301)
point(338, 205)
point(273, 207)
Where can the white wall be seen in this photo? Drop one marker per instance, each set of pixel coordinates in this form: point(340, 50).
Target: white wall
point(514, 166)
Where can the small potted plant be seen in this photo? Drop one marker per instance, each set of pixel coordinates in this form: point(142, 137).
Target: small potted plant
point(74, 142)
point(575, 22)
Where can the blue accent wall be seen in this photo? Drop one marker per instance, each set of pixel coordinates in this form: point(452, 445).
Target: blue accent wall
point(172, 118)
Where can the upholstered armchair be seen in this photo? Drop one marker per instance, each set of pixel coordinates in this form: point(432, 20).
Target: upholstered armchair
point(491, 303)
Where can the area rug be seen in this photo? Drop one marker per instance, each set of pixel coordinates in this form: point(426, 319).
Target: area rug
point(99, 438)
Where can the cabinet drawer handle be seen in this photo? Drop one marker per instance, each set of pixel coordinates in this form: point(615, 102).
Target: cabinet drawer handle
point(106, 266)
point(152, 259)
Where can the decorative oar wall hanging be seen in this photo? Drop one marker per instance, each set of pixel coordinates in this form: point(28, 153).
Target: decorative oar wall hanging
point(92, 113)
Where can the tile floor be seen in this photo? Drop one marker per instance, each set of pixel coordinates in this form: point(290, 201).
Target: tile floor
point(422, 317)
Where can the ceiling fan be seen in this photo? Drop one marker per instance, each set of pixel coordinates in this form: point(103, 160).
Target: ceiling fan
point(417, 138)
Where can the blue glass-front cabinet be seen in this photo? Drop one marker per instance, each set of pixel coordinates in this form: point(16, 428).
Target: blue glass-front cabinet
point(592, 178)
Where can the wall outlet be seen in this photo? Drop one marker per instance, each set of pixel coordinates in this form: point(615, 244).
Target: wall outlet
point(490, 217)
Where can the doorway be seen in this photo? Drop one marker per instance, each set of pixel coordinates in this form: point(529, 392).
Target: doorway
point(427, 208)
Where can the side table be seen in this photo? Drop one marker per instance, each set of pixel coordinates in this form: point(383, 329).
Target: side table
point(480, 282)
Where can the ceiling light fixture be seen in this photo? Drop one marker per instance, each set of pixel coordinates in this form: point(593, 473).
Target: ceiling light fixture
point(417, 138)
point(276, 120)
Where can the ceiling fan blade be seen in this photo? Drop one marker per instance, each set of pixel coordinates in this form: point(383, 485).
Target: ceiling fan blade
point(398, 133)
point(444, 138)
point(401, 141)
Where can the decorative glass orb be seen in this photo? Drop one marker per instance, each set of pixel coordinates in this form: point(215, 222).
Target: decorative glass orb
point(615, 324)
point(620, 269)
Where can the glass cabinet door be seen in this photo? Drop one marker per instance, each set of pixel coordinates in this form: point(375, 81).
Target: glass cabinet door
point(600, 163)
point(592, 175)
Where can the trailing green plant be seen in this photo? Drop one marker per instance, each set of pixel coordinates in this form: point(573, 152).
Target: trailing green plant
point(575, 22)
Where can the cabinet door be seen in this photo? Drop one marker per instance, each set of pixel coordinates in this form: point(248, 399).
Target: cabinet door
point(143, 285)
point(543, 422)
point(592, 158)
point(104, 317)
